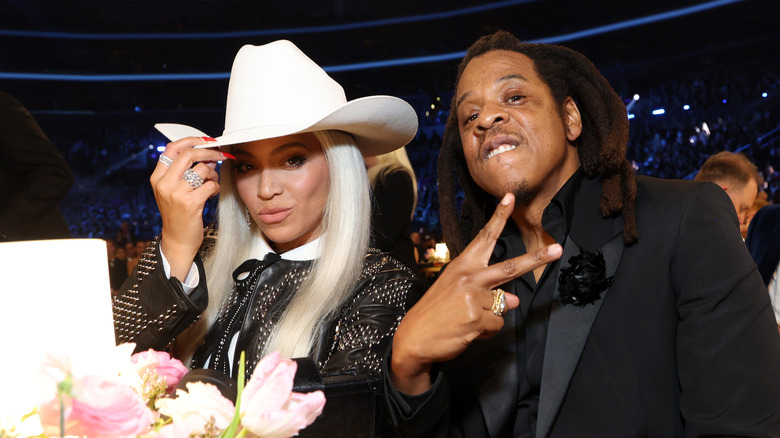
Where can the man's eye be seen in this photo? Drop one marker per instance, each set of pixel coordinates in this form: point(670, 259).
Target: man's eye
point(471, 118)
point(515, 98)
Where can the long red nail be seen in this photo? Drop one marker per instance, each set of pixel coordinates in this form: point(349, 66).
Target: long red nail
point(227, 155)
point(208, 139)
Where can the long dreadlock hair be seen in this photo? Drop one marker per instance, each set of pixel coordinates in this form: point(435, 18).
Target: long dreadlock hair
point(601, 146)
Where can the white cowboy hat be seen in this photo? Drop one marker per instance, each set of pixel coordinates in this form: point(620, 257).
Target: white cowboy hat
point(276, 90)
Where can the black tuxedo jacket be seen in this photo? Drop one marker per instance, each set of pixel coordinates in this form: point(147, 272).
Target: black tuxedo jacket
point(682, 344)
point(763, 240)
point(34, 177)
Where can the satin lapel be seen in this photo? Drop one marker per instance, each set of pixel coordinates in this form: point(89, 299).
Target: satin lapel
point(570, 325)
point(496, 376)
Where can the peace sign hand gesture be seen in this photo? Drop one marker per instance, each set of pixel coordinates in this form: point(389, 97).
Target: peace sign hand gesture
point(458, 308)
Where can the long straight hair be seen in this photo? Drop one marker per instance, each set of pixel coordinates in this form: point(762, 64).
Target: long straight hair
point(345, 227)
point(397, 157)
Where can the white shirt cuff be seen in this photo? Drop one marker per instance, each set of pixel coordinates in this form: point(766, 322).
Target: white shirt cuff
point(190, 282)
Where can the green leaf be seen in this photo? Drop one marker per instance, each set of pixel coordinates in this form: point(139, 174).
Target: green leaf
point(230, 432)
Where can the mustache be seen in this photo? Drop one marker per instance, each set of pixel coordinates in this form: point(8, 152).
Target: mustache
point(496, 131)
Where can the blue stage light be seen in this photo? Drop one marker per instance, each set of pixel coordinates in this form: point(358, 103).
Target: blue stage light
point(659, 111)
point(686, 107)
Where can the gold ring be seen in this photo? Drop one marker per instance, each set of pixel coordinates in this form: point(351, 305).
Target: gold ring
point(499, 302)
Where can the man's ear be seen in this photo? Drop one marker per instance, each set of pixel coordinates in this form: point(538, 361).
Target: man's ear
point(573, 119)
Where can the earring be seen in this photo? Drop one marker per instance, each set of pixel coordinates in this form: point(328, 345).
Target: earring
point(247, 218)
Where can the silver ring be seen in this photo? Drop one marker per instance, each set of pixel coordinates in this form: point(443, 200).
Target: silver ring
point(165, 160)
point(499, 302)
point(192, 177)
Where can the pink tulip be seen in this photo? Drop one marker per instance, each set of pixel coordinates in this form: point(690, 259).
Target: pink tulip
point(167, 367)
point(269, 408)
point(99, 408)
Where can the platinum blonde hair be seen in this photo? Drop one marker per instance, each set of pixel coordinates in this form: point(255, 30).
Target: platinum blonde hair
point(396, 157)
point(345, 228)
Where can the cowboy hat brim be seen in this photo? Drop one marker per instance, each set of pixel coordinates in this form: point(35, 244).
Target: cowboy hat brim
point(379, 124)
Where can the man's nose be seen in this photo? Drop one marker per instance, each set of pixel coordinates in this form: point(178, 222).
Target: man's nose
point(491, 115)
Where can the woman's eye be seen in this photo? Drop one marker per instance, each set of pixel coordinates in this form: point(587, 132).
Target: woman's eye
point(296, 161)
point(242, 167)
point(515, 98)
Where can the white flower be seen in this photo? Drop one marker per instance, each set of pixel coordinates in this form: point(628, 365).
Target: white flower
point(196, 406)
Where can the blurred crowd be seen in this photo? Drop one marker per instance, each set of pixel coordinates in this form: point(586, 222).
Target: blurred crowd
point(727, 110)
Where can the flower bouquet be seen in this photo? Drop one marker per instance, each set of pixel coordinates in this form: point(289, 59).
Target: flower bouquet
point(139, 399)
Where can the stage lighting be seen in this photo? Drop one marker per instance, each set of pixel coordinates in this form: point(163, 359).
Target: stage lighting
point(659, 111)
point(764, 94)
point(160, 148)
point(636, 97)
point(631, 116)
point(686, 107)
point(725, 101)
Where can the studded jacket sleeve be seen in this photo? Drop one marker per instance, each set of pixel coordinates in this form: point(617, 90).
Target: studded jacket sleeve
point(151, 309)
point(363, 332)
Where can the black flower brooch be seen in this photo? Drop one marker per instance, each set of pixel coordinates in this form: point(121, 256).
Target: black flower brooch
point(585, 279)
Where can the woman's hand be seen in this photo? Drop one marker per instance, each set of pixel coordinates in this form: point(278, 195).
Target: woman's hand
point(456, 310)
point(181, 203)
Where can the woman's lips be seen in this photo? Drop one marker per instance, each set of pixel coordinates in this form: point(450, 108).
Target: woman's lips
point(274, 215)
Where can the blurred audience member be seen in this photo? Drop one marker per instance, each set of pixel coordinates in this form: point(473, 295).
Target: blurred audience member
point(758, 204)
point(117, 267)
point(34, 177)
point(394, 189)
point(736, 175)
point(131, 251)
point(763, 241)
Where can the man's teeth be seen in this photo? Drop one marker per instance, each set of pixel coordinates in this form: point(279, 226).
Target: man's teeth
point(500, 150)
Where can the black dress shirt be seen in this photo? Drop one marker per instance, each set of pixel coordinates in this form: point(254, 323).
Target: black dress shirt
point(533, 315)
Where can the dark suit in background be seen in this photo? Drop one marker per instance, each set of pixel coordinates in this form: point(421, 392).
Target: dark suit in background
point(763, 240)
point(34, 177)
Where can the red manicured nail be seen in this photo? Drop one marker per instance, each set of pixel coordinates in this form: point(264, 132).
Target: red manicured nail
point(227, 155)
point(208, 139)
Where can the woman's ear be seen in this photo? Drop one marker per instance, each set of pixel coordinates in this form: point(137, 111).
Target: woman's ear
point(573, 119)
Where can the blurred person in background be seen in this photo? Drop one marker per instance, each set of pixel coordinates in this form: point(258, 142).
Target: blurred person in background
point(34, 178)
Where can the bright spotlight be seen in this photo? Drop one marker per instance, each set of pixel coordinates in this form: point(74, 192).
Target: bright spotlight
point(725, 101)
point(659, 111)
point(631, 116)
point(686, 107)
point(764, 94)
point(160, 148)
point(636, 97)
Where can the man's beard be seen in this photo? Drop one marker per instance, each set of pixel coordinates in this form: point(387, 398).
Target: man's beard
point(523, 193)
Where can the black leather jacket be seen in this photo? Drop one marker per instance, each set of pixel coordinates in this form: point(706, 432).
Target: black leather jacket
point(151, 310)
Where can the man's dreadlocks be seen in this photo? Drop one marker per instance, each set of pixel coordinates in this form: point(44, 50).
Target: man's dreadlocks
point(601, 146)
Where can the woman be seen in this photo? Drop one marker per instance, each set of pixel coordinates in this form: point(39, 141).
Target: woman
point(288, 267)
point(394, 188)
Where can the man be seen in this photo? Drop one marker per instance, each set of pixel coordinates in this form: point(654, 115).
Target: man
point(763, 242)
point(735, 174)
point(34, 178)
point(640, 312)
